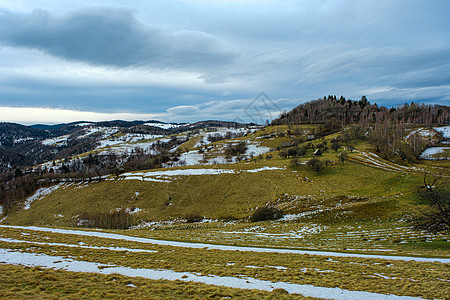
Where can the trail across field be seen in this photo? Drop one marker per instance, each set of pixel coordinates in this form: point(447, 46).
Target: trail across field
point(373, 160)
point(59, 262)
point(320, 274)
point(223, 247)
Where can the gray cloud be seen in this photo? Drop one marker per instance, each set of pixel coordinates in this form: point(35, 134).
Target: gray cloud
point(187, 61)
point(112, 37)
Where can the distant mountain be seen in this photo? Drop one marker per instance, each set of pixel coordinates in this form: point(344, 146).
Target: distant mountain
point(24, 146)
point(208, 123)
point(11, 134)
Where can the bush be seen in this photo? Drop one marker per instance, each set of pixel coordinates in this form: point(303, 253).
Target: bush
point(283, 153)
point(266, 213)
point(292, 152)
point(316, 164)
point(302, 151)
point(194, 218)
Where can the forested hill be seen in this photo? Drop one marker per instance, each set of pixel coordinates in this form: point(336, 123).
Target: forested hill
point(334, 112)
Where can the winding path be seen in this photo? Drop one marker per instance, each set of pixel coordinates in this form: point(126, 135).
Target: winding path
point(115, 236)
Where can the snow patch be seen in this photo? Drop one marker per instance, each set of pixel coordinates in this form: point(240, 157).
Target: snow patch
point(431, 153)
point(58, 140)
point(165, 125)
point(445, 131)
point(255, 150)
point(105, 131)
point(40, 193)
point(164, 176)
point(83, 124)
point(263, 169)
point(62, 263)
point(191, 158)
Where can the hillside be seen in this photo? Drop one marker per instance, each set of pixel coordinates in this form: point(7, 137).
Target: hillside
point(140, 208)
point(42, 143)
point(365, 188)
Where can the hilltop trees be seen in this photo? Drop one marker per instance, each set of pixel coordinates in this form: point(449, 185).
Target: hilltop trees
point(384, 128)
point(332, 112)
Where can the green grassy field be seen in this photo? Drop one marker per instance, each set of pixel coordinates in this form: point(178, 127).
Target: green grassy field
point(361, 206)
point(426, 279)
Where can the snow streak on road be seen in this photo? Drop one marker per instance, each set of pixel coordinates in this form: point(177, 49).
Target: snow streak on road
point(223, 247)
point(59, 262)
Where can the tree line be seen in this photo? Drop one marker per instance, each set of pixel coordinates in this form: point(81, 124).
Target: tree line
point(384, 128)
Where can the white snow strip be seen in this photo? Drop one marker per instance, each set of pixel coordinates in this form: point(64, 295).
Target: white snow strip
point(264, 169)
point(83, 124)
point(61, 263)
point(153, 179)
point(189, 172)
point(165, 125)
point(181, 172)
point(133, 177)
point(431, 152)
point(379, 163)
point(445, 131)
point(39, 194)
point(143, 178)
point(222, 247)
point(56, 140)
point(412, 133)
point(8, 240)
point(105, 131)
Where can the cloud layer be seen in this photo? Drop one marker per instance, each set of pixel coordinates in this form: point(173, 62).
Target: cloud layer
point(200, 59)
point(111, 37)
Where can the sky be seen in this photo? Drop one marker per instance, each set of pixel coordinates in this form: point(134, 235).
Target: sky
point(235, 60)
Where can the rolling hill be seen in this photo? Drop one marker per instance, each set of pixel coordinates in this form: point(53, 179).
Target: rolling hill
point(183, 203)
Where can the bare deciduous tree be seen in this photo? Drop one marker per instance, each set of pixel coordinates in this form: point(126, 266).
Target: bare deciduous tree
point(435, 194)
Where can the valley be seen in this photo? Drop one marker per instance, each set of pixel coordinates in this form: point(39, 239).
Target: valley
point(175, 215)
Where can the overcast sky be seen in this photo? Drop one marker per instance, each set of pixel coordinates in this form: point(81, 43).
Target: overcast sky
point(170, 60)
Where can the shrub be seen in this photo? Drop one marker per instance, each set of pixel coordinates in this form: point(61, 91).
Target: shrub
point(302, 151)
point(283, 154)
point(236, 150)
point(266, 213)
point(119, 219)
point(316, 164)
point(295, 162)
point(335, 145)
point(343, 156)
point(292, 152)
point(194, 218)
